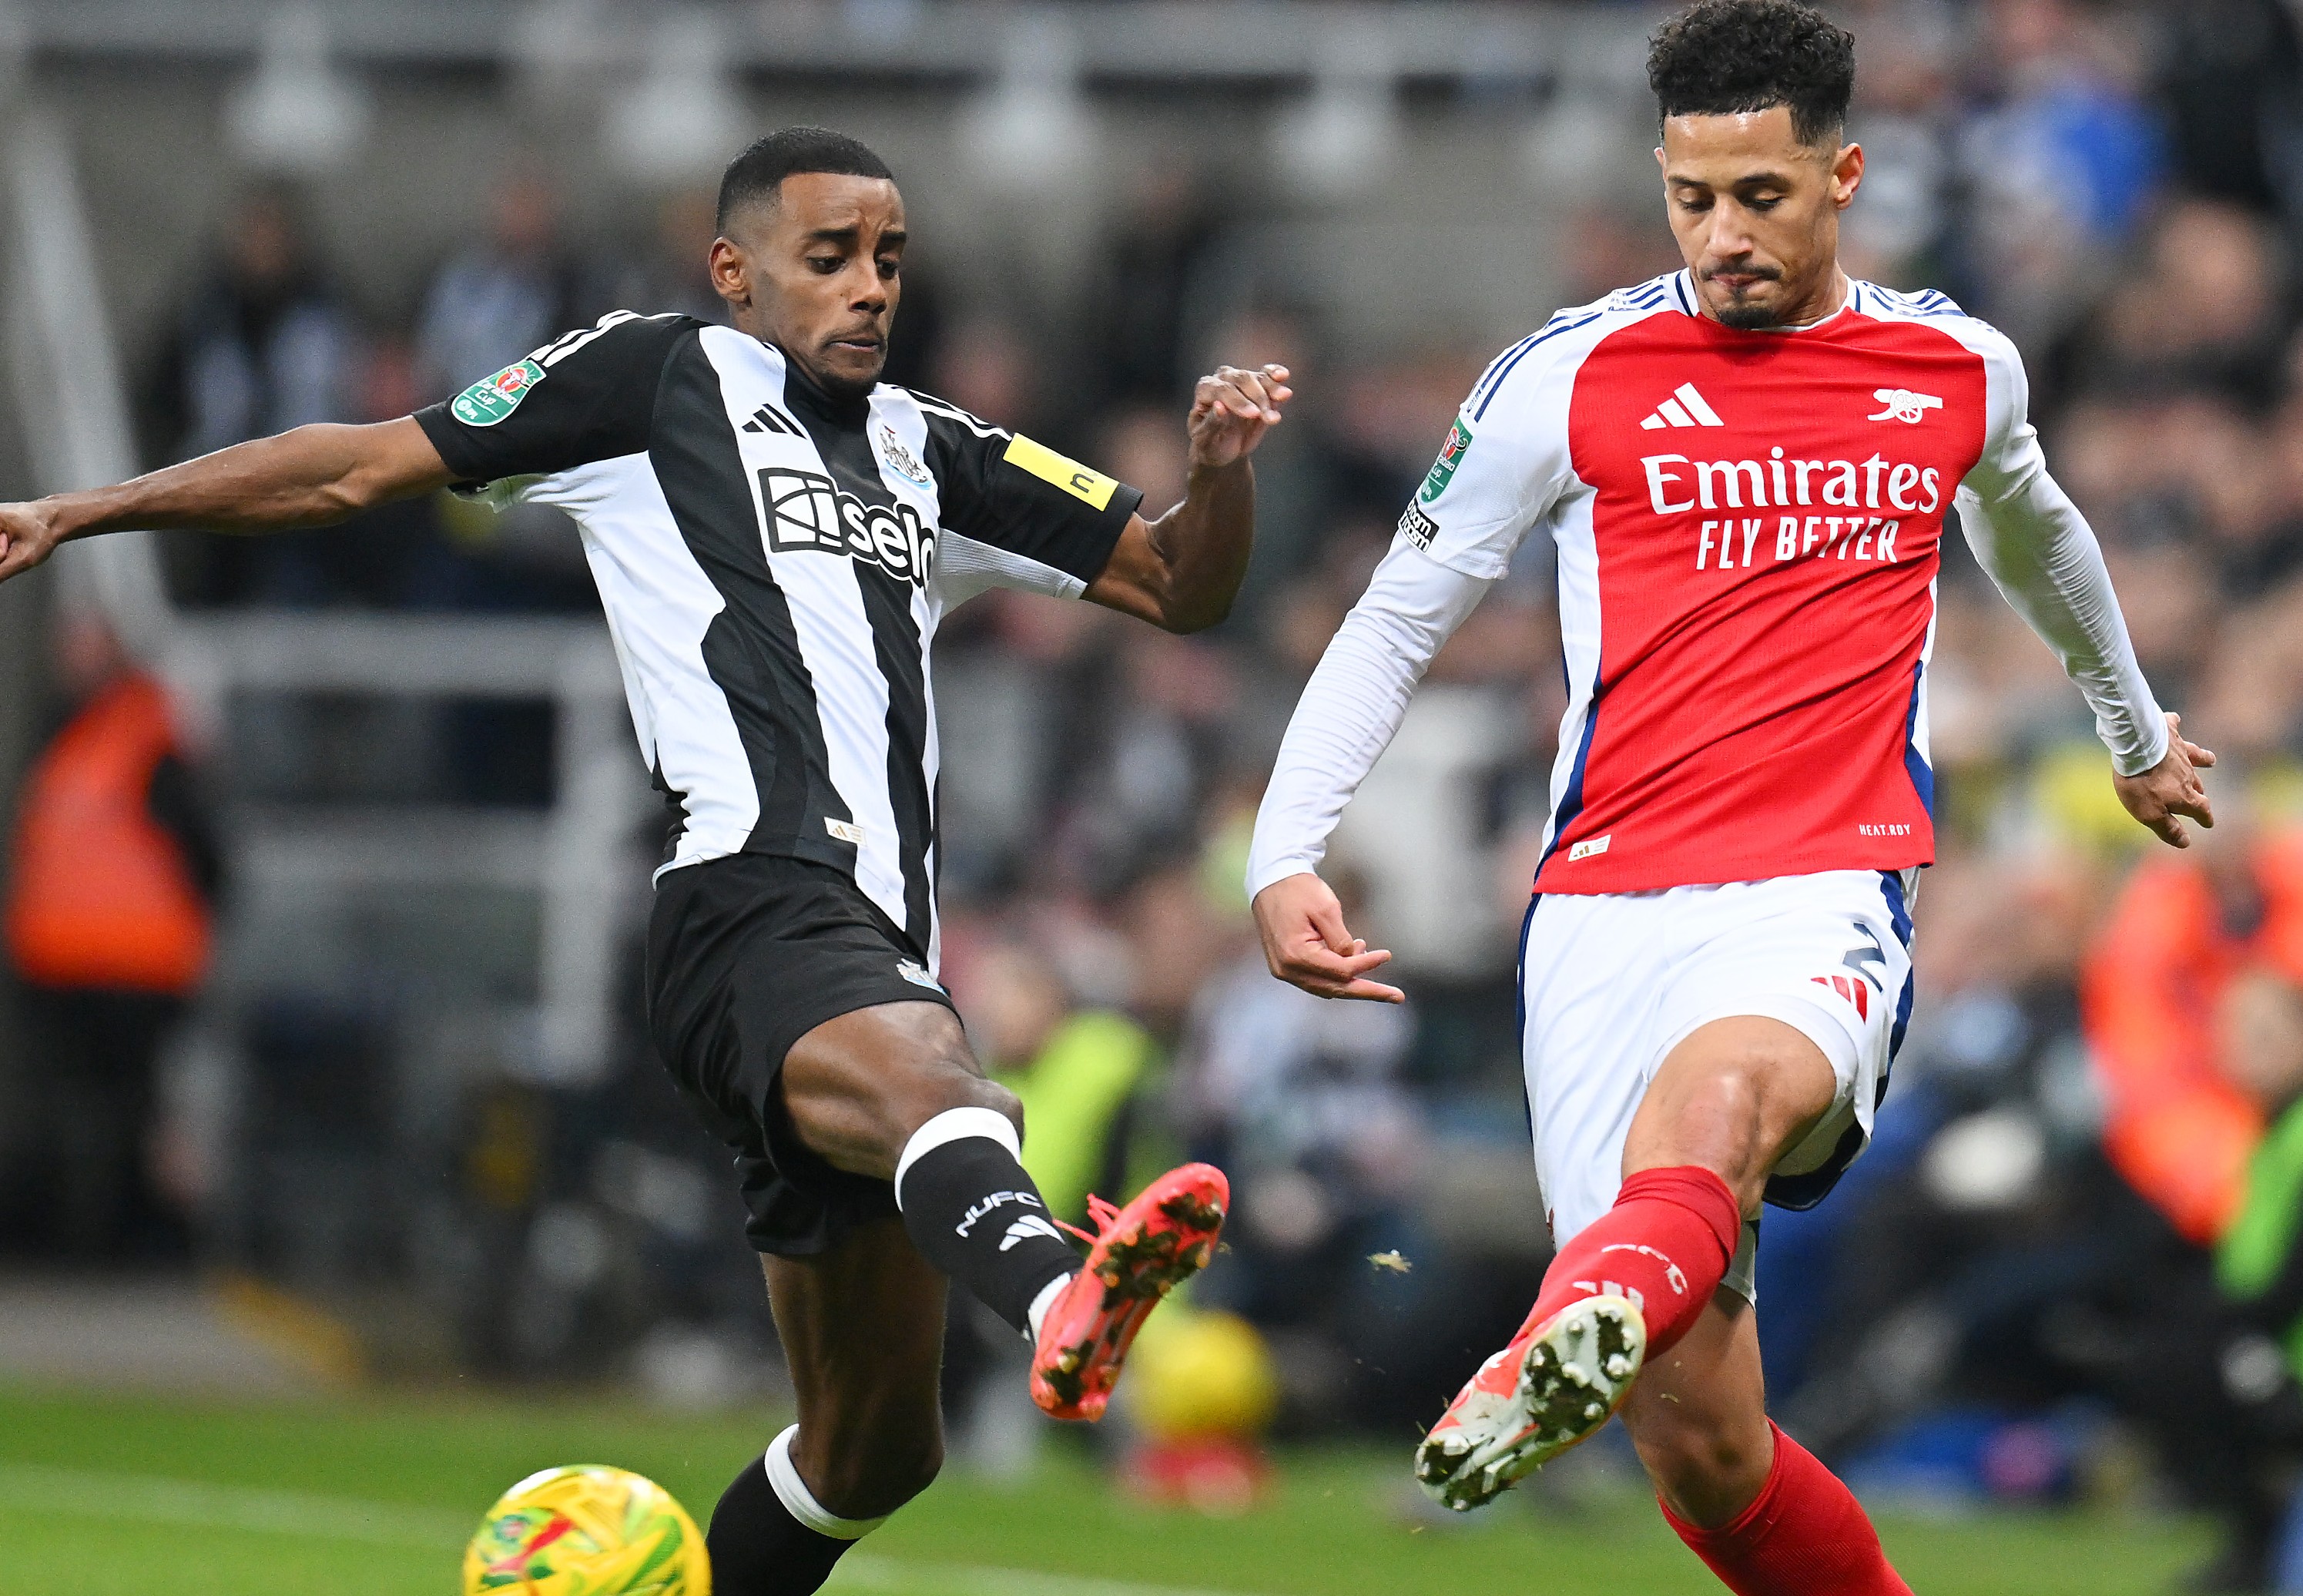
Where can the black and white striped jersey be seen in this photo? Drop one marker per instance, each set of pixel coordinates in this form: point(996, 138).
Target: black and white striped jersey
point(773, 563)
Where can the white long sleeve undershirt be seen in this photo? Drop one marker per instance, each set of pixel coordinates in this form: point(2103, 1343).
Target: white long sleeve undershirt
point(1353, 704)
point(2029, 536)
point(2039, 548)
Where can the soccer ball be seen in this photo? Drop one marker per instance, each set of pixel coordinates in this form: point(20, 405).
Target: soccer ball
point(587, 1531)
point(1197, 1374)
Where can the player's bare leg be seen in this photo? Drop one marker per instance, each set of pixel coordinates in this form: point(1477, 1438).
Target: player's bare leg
point(1733, 1098)
point(859, 1087)
point(870, 1435)
point(895, 1092)
point(1756, 1507)
point(1760, 1511)
point(1697, 1416)
point(1725, 1104)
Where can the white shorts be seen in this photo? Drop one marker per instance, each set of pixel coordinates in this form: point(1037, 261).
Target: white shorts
point(1609, 984)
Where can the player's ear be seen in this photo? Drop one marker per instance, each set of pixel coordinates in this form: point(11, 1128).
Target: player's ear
point(731, 272)
point(1847, 174)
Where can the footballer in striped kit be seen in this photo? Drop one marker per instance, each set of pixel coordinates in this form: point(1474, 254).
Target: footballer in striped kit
point(776, 535)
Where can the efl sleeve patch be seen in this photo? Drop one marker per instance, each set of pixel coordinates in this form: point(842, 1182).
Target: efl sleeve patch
point(491, 399)
point(590, 396)
point(1451, 455)
point(1092, 488)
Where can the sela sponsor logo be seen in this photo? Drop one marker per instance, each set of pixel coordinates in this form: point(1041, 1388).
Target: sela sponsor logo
point(901, 459)
point(1903, 405)
point(1684, 408)
point(917, 976)
point(807, 512)
point(1026, 1228)
point(993, 1204)
point(1451, 455)
point(491, 399)
point(1677, 485)
point(1590, 847)
point(1417, 527)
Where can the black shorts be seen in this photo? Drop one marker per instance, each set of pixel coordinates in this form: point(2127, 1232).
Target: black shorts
point(745, 956)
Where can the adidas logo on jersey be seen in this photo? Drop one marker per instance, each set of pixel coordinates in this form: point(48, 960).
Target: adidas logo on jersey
point(807, 512)
point(1684, 408)
point(1026, 1228)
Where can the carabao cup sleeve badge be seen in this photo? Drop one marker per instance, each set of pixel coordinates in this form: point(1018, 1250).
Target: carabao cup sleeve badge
point(491, 399)
point(1451, 455)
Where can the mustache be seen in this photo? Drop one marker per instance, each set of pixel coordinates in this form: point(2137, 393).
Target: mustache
point(1764, 274)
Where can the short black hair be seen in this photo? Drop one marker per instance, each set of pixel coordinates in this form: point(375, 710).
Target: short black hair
point(760, 171)
point(1721, 56)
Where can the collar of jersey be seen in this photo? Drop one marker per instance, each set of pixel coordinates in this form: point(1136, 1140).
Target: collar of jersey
point(802, 389)
point(1846, 307)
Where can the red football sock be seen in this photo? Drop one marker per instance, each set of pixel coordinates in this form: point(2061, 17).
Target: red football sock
point(1665, 1244)
point(1804, 1535)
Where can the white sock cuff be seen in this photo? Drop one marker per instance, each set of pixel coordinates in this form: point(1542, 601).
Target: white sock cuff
point(1040, 1305)
point(801, 1503)
point(955, 1125)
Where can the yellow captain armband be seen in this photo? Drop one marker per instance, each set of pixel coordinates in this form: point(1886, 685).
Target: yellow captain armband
point(1093, 488)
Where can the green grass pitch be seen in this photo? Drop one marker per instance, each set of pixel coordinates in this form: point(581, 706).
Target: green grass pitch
point(125, 1495)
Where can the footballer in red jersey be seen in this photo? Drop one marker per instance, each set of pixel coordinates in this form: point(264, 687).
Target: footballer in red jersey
point(1746, 467)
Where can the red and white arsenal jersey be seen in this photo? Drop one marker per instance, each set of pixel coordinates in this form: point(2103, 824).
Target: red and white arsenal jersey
point(1749, 526)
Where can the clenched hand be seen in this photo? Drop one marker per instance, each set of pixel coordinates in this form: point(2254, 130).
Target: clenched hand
point(1232, 409)
point(29, 534)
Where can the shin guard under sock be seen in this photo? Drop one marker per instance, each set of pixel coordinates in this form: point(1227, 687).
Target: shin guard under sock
point(974, 1214)
point(770, 1537)
point(1804, 1535)
point(1666, 1244)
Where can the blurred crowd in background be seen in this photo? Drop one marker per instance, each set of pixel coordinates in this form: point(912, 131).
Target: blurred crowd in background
point(2088, 1156)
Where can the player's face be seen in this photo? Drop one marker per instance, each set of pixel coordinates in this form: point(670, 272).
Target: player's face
point(818, 273)
point(1757, 214)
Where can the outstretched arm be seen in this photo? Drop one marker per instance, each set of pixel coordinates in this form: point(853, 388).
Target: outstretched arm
point(1182, 571)
point(1349, 711)
point(311, 476)
point(2040, 551)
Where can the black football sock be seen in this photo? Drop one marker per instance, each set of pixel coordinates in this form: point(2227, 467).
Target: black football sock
point(769, 1536)
point(974, 1214)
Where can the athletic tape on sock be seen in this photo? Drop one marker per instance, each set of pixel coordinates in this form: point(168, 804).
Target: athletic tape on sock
point(801, 1503)
point(951, 1126)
